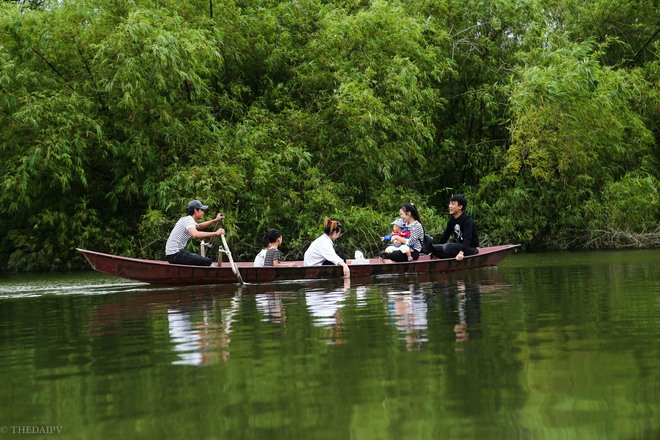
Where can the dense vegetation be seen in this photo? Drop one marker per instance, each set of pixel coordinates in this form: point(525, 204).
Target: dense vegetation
point(116, 113)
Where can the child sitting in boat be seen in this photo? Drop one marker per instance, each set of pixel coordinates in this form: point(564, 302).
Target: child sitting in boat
point(399, 229)
point(270, 254)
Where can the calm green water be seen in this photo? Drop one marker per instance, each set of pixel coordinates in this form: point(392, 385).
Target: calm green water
point(546, 346)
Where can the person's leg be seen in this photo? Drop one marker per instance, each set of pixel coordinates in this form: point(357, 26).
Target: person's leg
point(452, 249)
point(397, 256)
point(189, 259)
point(406, 250)
point(446, 250)
point(438, 251)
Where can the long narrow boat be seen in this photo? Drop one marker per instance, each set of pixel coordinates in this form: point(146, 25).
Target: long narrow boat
point(164, 273)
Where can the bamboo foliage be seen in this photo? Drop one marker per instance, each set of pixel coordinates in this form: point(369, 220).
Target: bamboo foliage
point(115, 114)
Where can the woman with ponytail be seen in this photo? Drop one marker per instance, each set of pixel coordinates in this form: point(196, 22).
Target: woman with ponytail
point(410, 216)
point(322, 250)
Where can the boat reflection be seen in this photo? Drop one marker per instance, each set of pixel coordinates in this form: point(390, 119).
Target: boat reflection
point(201, 321)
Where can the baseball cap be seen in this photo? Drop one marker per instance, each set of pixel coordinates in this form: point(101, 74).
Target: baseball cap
point(196, 204)
point(399, 222)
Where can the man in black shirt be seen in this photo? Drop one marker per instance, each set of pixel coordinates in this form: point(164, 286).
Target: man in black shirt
point(462, 227)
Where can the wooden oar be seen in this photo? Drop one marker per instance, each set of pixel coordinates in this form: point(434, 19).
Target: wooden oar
point(210, 243)
point(234, 268)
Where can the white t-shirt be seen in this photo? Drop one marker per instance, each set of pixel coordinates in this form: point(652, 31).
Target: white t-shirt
point(321, 250)
point(260, 258)
point(179, 236)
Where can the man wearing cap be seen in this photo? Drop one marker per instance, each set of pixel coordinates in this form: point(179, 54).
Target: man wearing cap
point(187, 227)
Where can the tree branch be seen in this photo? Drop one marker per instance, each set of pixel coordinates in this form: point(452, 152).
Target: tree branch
point(53, 68)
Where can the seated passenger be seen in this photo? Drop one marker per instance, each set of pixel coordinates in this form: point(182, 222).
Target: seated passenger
point(322, 250)
point(410, 217)
point(462, 227)
point(399, 229)
point(270, 254)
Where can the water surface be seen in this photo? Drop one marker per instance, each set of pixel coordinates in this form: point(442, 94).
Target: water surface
point(560, 345)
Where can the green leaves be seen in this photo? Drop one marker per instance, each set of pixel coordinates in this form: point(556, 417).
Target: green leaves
point(115, 114)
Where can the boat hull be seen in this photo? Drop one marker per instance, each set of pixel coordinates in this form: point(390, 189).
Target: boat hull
point(164, 273)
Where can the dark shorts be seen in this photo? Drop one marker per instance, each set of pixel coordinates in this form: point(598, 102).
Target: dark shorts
point(188, 258)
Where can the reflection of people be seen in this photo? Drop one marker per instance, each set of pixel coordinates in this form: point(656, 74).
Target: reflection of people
point(201, 340)
point(270, 304)
point(462, 227)
point(194, 341)
point(322, 250)
point(410, 216)
point(410, 310)
point(185, 338)
point(464, 300)
point(398, 229)
point(326, 310)
point(187, 227)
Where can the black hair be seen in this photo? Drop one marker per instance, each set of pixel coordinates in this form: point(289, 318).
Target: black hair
point(412, 209)
point(191, 211)
point(460, 199)
point(330, 226)
point(271, 237)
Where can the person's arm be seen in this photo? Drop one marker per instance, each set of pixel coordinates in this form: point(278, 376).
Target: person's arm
point(327, 250)
point(206, 224)
point(467, 226)
point(446, 234)
point(276, 260)
point(404, 239)
point(329, 254)
point(347, 271)
point(194, 232)
point(416, 237)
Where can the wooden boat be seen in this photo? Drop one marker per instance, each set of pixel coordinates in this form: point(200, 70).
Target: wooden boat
point(163, 273)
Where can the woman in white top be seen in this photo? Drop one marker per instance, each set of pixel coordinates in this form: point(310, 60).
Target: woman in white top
point(322, 250)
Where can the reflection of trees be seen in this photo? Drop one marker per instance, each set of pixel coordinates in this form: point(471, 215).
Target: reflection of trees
point(480, 370)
